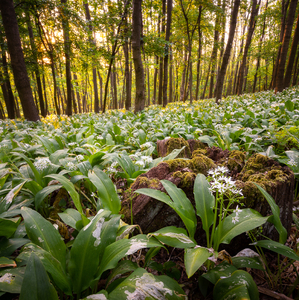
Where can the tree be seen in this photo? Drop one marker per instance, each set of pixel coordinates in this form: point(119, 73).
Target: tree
point(284, 47)
point(226, 55)
point(136, 46)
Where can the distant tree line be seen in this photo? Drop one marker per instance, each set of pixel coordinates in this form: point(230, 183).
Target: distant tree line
point(69, 56)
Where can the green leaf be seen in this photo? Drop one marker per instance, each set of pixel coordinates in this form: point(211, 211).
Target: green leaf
point(9, 226)
point(85, 253)
point(70, 217)
point(143, 285)
point(6, 202)
point(6, 262)
point(157, 195)
point(42, 233)
point(204, 201)
point(70, 189)
point(8, 246)
point(57, 155)
point(194, 258)
point(239, 286)
point(121, 248)
point(248, 220)
point(278, 248)
point(96, 158)
point(247, 262)
point(106, 190)
point(36, 284)
point(289, 105)
point(174, 237)
point(275, 220)
point(11, 280)
point(41, 195)
point(222, 270)
point(51, 264)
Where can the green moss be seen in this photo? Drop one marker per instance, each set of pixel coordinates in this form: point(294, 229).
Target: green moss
point(256, 162)
point(285, 141)
point(178, 143)
point(201, 164)
point(236, 160)
point(199, 151)
point(187, 178)
point(177, 163)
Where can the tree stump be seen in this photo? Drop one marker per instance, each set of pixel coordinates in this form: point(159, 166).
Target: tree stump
point(152, 215)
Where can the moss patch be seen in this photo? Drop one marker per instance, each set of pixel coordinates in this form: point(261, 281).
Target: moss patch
point(236, 160)
point(178, 143)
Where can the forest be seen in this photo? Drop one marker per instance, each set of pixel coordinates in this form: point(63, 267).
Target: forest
point(91, 56)
point(149, 149)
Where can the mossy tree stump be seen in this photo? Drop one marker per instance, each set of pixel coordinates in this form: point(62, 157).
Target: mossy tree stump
point(152, 215)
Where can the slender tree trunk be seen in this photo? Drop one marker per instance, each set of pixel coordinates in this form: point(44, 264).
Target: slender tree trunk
point(288, 73)
point(296, 69)
point(155, 80)
point(226, 55)
point(170, 76)
point(160, 93)
point(136, 46)
point(284, 47)
point(254, 13)
point(214, 52)
point(198, 55)
point(182, 89)
point(36, 69)
point(127, 74)
point(167, 36)
point(21, 78)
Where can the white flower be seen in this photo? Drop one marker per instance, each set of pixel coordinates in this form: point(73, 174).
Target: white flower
point(235, 219)
point(71, 166)
point(237, 210)
point(145, 145)
point(42, 163)
point(72, 144)
point(80, 157)
point(140, 163)
point(292, 162)
point(147, 159)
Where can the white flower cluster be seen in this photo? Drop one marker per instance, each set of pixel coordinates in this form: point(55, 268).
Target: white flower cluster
point(72, 144)
point(71, 166)
point(113, 167)
point(42, 163)
point(145, 146)
point(1, 130)
point(292, 162)
point(80, 157)
point(142, 161)
point(221, 183)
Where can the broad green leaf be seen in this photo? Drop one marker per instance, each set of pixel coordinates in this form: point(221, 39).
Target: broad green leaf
point(106, 190)
point(84, 254)
point(70, 189)
point(41, 195)
point(289, 105)
point(42, 233)
point(9, 226)
point(194, 258)
point(70, 217)
point(6, 262)
point(278, 248)
point(248, 220)
point(275, 220)
point(157, 195)
point(36, 284)
point(247, 262)
point(174, 237)
point(222, 270)
point(11, 280)
point(121, 248)
point(143, 285)
point(57, 155)
point(49, 146)
point(239, 286)
point(51, 264)
point(204, 201)
point(8, 246)
point(6, 202)
point(37, 175)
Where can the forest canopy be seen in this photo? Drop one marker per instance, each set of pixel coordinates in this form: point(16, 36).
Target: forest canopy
point(69, 57)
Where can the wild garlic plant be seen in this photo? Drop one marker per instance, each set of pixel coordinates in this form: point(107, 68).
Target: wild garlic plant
point(227, 195)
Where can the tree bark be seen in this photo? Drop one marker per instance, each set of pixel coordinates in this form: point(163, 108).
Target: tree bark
point(284, 47)
point(252, 22)
point(22, 82)
point(288, 73)
point(226, 55)
point(136, 46)
point(167, 36)
point(198, 54)
point(67, 53)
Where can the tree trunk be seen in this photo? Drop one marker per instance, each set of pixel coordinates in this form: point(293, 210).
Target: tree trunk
point(160, 93)
point(170, 76)
point(226, 55)
point(36, 69)
point(138, 66)
point(127, 75)
point(296, 71)
point(167, 36)
point(288, 73)
point(254, 13)
point(198, 55)
point(67, 53)
point(18, 65)
point(214, 52)
point(182, 89)
point(155, 80)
